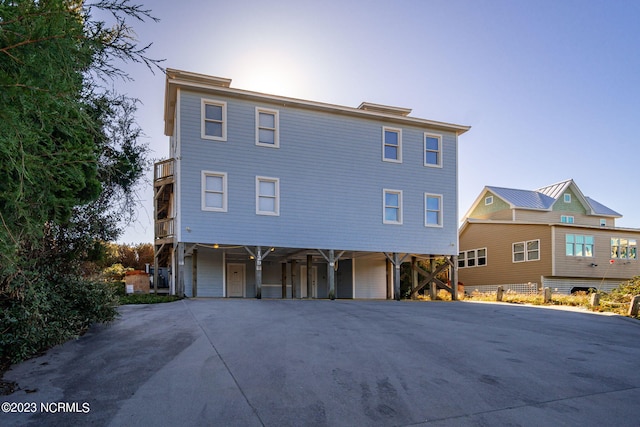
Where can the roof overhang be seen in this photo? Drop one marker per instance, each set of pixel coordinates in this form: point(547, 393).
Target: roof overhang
point(177, 79)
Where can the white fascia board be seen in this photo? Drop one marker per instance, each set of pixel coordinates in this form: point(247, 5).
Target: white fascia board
point(179, 80)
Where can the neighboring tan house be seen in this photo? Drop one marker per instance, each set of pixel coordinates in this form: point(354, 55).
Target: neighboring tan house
point(551, 237)
point(269, 196)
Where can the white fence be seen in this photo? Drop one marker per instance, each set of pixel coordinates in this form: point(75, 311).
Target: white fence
point(530, 288)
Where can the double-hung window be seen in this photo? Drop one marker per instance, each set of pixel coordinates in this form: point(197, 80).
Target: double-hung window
point(267, 196)
point(213, 120)
point(432, 210)
point(526, 251)
point(392, 207)
point(267, 128)
point(214, 191)
point(432, 150)
point(391, 145)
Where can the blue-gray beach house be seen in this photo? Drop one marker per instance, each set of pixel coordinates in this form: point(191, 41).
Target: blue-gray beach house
point(268, 196)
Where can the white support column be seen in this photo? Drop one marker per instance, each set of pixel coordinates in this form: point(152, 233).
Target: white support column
point(331, 275)
point(397, 262)
point(309, 276)
point(396, 277)
point(259, 272)
point(331, 259)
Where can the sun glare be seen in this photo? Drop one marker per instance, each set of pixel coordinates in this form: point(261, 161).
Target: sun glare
point(272, 73)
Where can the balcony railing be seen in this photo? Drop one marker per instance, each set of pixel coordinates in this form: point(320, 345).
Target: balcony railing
point(163, 169)
point(164, 228)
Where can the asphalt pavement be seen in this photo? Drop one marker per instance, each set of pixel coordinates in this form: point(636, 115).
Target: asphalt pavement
point(224, 362)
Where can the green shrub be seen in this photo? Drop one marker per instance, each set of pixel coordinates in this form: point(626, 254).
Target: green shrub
point(147, 299)
point(44, 314)
point(625, 291)
point(118, 287)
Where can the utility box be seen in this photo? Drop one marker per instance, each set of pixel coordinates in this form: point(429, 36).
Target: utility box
point(137, 282)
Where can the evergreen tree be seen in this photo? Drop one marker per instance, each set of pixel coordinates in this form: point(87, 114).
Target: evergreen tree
point(70, 159)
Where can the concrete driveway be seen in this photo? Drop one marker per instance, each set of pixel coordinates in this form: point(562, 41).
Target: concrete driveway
point(337, 363)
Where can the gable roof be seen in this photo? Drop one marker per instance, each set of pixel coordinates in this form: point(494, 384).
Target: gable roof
point(523, 199)
point(544, 198)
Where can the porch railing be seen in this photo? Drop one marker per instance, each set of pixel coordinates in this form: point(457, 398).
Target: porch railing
point(164, 228)
point(163, 169)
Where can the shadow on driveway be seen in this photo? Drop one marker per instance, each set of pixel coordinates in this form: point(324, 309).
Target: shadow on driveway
point(280, 363)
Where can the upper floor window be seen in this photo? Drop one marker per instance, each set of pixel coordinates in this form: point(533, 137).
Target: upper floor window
point(267, 124)
point(488, 200)
point(392, 208)
point(603, 222)
point(623, 248)
point(433, 210)
point(567, 198)
point(567, 219)
point(267, 196)
point(214, 120)
point(579, 245)
point(526, 251)
point(214, 191)
point(473, 258)
point(432, 150)
point(392, 145)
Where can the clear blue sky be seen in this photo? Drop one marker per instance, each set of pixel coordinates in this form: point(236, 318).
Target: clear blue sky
point(551, 88)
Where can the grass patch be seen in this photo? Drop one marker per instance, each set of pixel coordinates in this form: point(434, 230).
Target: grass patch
point(147, 299)
point(609, 302)
point(579, 299)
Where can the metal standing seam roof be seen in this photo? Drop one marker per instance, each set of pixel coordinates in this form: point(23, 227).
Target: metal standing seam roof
point(555, 190)
point(544, 198)
point(525, 199)
point(600, 209)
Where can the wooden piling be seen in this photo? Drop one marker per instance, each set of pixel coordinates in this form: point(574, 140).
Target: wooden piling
point(635, 306)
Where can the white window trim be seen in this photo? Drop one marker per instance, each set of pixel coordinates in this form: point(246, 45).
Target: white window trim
point(424, 154)
point(277, 195)
point(203, 191)
point(567, 219)
point(399, 132)
point(486, 257)
point(276, 137)
point(463, 256)
point(567, 198)
point(526, 252)
point(488, 200)
point(440, 212)
point(384, 206)
point(628, 246)
point(203, 135)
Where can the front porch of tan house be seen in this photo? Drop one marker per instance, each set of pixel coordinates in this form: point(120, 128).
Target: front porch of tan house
point(227, 271)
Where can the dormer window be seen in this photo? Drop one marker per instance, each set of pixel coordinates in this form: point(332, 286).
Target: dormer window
point(488, 200)
point(567, 198)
